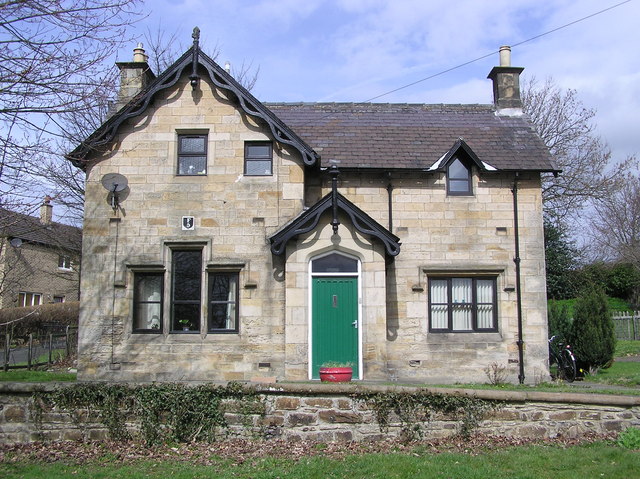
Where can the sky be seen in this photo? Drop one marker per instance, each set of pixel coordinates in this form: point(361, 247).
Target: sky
point(357, 50)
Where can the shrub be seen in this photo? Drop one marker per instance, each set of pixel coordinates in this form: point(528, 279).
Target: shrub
point(559, 321)
point(21, 322)
point(592, 331)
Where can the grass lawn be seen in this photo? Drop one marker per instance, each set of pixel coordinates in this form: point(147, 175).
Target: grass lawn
point(627, 348)
point(620, 373)
point(601, 459)
point(24, 375)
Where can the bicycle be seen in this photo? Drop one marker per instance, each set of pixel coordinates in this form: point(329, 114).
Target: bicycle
point(561, 355)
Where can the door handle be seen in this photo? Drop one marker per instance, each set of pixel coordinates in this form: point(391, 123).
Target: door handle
point(355, 324)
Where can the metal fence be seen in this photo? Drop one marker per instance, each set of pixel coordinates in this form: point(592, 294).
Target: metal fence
point(39, 349)
point(627, 324)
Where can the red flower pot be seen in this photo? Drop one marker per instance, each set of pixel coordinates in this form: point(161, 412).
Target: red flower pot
point(336, 375)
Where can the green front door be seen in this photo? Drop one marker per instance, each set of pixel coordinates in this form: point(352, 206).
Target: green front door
point(334, 322)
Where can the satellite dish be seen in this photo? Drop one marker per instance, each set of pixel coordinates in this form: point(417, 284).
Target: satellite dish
point(114, 182)
point(16, 242)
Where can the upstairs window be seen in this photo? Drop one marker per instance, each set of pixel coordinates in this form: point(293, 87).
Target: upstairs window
point(458, 178)
point(192, 155)
point(29, 299)
point(258, 158)
point(458, 304)
point(64, 262)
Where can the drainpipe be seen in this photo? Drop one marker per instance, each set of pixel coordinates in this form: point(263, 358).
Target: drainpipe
point(516, 260)
point(389, 192)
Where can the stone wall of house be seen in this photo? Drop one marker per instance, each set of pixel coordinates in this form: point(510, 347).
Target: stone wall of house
point(34, 268)
point(445, 235)
point(233, 216)
point(329, 413)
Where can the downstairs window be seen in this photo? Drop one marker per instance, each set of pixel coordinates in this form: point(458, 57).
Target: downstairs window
point(462, 304)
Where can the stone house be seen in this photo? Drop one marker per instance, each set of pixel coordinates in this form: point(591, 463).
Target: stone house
point(39, 259)
point(230, 239)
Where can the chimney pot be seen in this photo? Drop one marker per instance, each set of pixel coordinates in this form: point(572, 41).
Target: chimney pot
point(139, 55)
point(505, 56)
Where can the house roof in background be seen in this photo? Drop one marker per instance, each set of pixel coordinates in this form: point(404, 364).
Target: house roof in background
point(31, 229)
point(415, 136)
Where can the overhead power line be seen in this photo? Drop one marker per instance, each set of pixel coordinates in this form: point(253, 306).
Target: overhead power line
point(496, 51)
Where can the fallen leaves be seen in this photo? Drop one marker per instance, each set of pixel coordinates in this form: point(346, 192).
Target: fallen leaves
point(241, 450)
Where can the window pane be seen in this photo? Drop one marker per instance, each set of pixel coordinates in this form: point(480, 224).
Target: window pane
point(147, 295)
point(334, 263)
point(219, 287)
point(457, 170)
point(461, 290)
point(192, 165)
point(223, 294)
point(223, 316)
point(192, 144)
point(148, 287)
point(258, 150)
point(485, 296)
point(462, 299)
point(147, 316)
point(458, 186)
point(187, 270)
point(186, 317)
point(439, 307)
point(462, 317)
point(258, 167)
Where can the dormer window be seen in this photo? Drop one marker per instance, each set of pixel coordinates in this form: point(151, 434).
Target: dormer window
point(458, 178)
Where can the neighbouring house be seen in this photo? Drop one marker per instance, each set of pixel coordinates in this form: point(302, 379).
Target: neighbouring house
point(39, 259)
point(230, 239)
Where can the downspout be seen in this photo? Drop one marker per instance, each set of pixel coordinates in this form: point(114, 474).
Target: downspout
point(516, 260)
point(390, 195)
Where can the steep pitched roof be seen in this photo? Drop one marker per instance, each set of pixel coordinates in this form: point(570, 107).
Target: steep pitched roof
point(104, 135)
point(31, 229)
point(416, 136)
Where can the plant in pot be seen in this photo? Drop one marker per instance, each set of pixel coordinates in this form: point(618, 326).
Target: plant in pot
point(336, 372)
point(185, 324)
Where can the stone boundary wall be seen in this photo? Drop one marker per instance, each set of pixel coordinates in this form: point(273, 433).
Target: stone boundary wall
point(325, 412)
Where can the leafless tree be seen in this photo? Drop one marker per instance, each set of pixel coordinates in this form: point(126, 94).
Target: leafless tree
point(52, 61)
point(567, 128)
point(616, 222)
point(67, 182)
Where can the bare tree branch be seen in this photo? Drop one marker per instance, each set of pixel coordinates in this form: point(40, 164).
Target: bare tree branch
point(567, 128)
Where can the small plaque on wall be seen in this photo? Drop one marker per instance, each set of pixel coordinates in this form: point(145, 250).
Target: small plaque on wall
point(188, 223)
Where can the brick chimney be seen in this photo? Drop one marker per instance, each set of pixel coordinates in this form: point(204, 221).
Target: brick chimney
point(134, 77)
point(46, 211)
point(506, 85)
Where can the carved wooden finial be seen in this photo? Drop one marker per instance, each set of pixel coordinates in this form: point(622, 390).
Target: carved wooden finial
point(194, 78)
point(196, 36)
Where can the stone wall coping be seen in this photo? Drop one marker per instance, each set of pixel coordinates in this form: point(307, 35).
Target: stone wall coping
point(346, 389)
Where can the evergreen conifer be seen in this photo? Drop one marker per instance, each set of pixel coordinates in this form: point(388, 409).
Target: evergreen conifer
point(592, 331)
